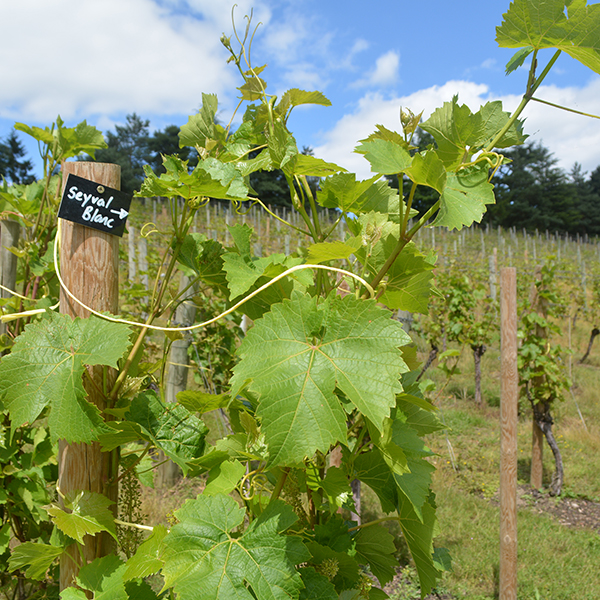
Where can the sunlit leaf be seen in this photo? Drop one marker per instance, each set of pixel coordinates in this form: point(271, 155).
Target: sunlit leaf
point(300, 352)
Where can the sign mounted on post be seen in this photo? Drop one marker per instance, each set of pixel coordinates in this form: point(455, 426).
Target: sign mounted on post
point(94, 205)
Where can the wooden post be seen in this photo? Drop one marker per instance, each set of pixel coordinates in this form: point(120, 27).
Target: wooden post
point(10, 232)
point(131, 257)
point(89, 261)
point(508, 438)
point(168, 472)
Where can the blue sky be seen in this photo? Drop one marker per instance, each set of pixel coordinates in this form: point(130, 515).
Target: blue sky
point(100, 60)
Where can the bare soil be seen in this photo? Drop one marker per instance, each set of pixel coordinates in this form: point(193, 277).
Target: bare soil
point(570, 512)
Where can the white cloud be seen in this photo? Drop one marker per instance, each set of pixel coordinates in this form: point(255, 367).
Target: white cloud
point(569, 137)
point(385, 72)
point(100, 58)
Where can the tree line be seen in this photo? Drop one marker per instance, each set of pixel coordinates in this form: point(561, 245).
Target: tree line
point(532, 192)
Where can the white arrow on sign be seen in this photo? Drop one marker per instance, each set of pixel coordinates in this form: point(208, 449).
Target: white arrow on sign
point(121, 212)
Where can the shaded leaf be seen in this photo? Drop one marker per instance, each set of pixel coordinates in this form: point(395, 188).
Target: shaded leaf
point(34, 559)
point(375, 547)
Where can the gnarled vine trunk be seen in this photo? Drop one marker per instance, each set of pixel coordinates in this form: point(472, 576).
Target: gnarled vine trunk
point(478, 352)
point(432, 356)
point(544, 420)
point(593, 335)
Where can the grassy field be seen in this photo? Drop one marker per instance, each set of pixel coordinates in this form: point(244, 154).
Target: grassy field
point(555, 560)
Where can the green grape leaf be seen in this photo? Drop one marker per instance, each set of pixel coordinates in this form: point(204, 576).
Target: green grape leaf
point(377, 594)
point(201, 257)
point(89, 515)
point(282, 146)
point(416, 484)
point(33, 559)
point(201, 402)
point(418, 531)
point(347, 567)
point(423, 421)
point(202, 553)
point(386, 157)
point(296, 97)
point(409, 279)
point(45, 368)
point(456, 130)
point(545, 25)
point(419, 536)
point(73, 593)
point(299, 353)
point(104, 578)
point(171, 428)
point(465, 197)
point(518, 59)
point(5, 534)
point(316, 586)
point(383, 133)
point(334, 533)
point(442, 559)
point(211, 178)
point(253, 89)
point(427, 169)
point(223, 478)
point(200, 127)
point(372, 470)
point(67, 142)
point(375, 547)
point(494, 119)
point(304, 164)
point(146, 561)
point(120, 433)
point(337, 489)
point(344, 192)
point(326, 251)
point(140, 590)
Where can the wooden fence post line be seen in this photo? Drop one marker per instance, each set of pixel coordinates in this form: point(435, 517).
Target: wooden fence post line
point(89, 261)
point(508, 438)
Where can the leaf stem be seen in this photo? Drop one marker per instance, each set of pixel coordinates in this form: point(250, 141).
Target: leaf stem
point(136, 525)
point(533, 84)
point(280, 483)
point(376, 522)
point(577, 112)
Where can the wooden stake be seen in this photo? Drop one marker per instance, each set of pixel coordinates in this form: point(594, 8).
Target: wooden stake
point(9, 236)
point(89, 261)
point(508, 439)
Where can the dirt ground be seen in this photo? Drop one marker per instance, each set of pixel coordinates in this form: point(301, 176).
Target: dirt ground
point(571, 512)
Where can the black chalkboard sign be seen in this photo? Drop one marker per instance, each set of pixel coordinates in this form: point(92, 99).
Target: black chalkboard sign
point(94, 205)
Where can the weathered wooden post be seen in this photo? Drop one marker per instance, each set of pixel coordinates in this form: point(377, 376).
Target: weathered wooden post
point(508, 438)
point(10, 232)
point(89, 262)
point(168, 472)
